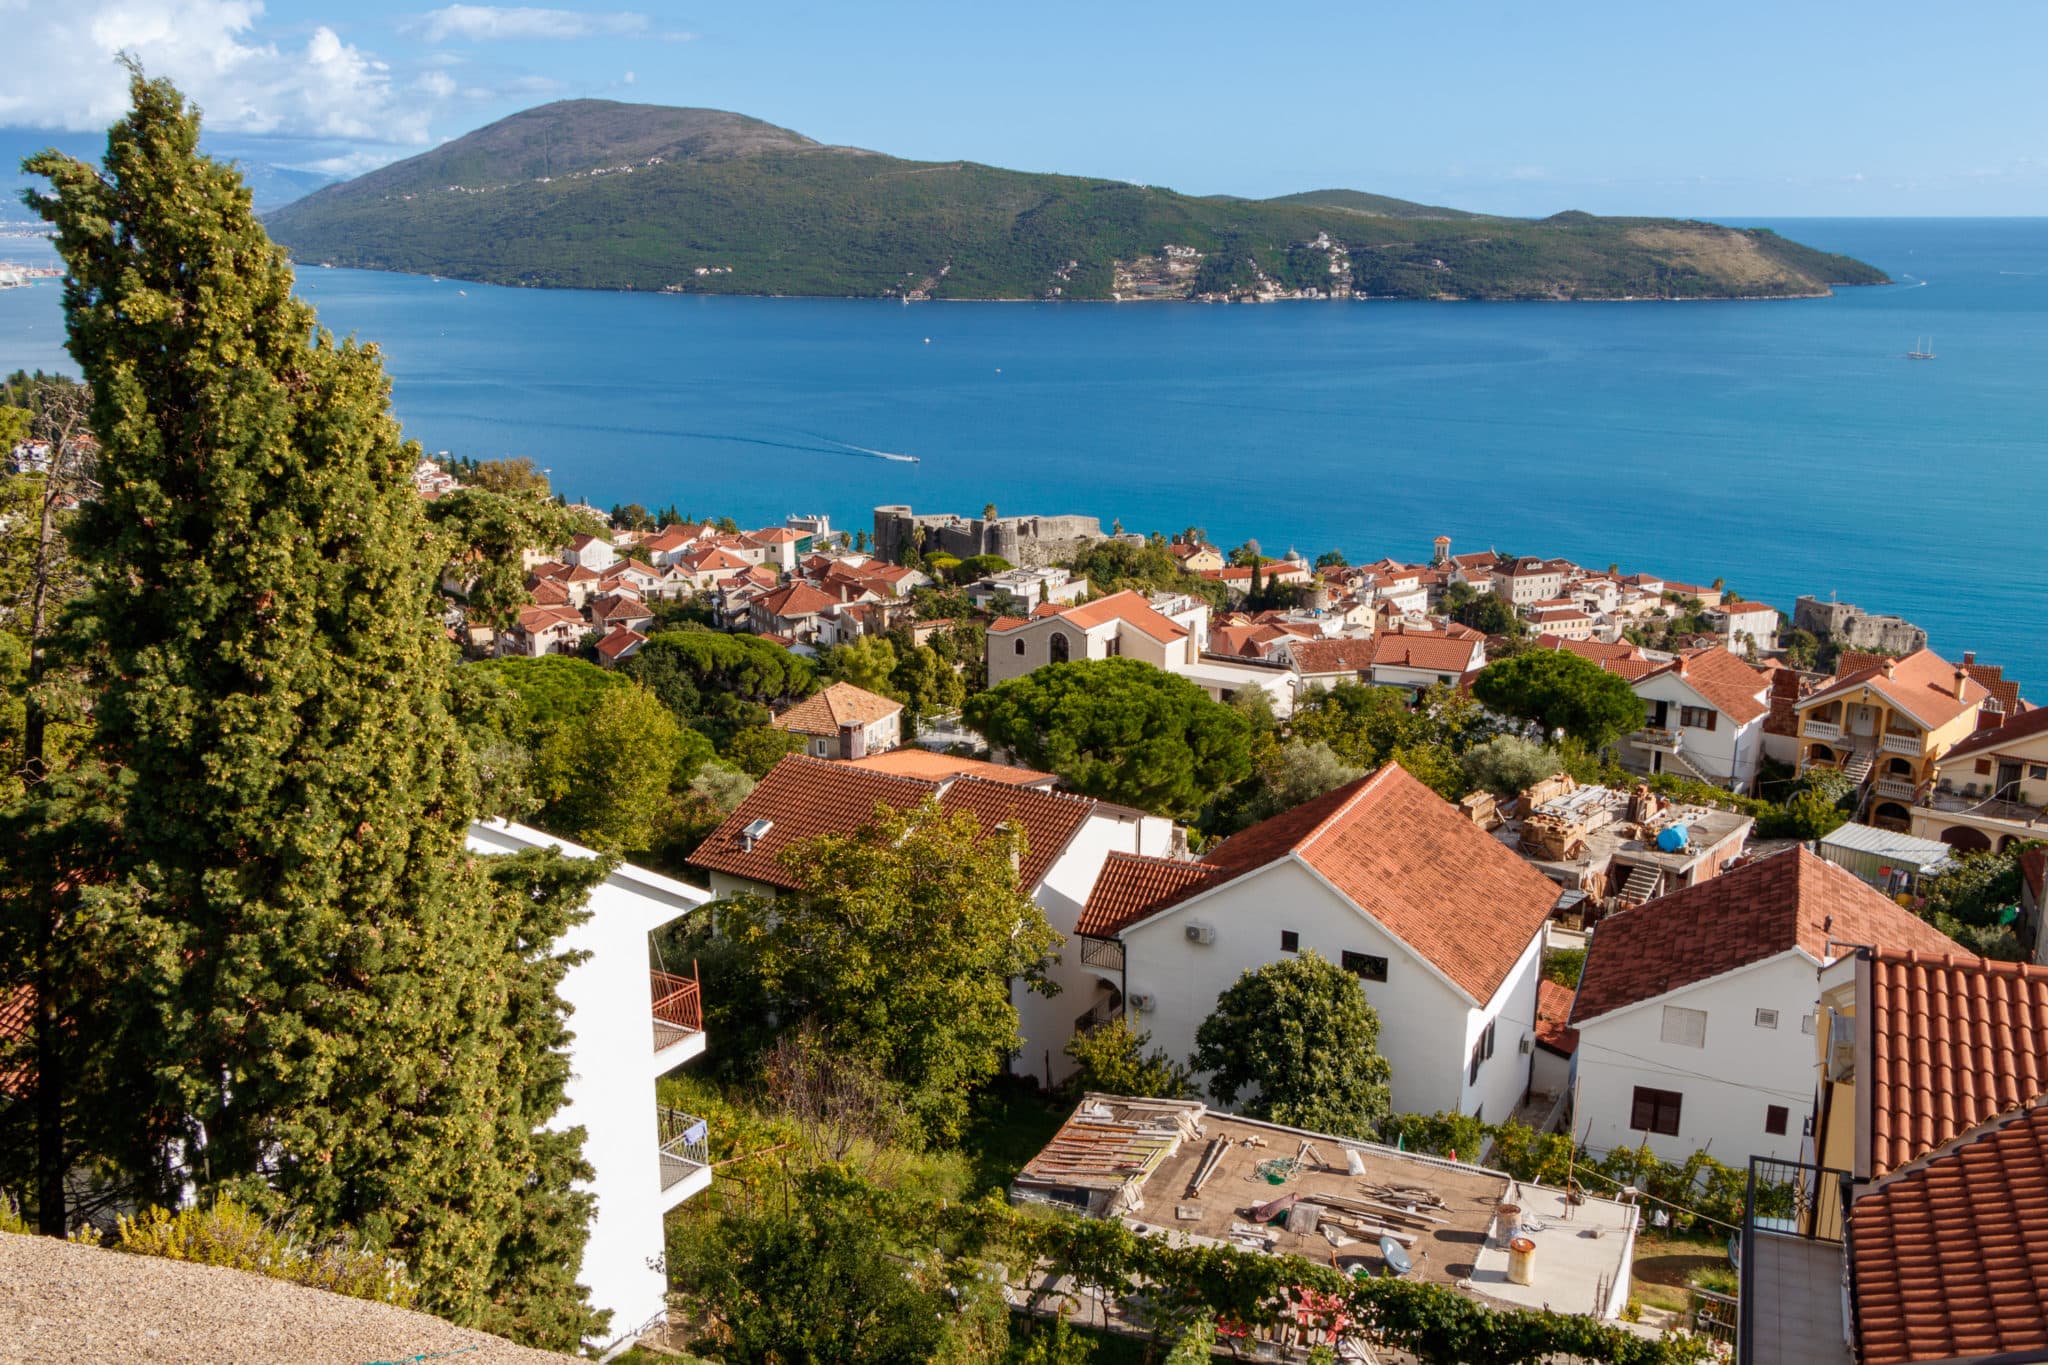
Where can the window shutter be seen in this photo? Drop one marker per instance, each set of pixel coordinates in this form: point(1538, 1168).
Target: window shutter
point(1684, 1027)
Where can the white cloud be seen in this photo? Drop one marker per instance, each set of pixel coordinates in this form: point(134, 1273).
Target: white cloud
point(629, 78)
point(64, 73)
point(480, 23)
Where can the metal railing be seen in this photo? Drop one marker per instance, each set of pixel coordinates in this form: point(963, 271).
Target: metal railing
point(1713, 1314)
point(1098, 1014)
point(1661, 737)
point(1785, 1199)
point(1103, 952)
point(678, 1001)
point(685, 1145)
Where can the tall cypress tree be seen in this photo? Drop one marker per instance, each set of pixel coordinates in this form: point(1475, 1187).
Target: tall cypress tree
point(327, 1003)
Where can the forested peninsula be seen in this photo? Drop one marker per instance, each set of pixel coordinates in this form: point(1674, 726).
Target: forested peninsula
point(594, 194)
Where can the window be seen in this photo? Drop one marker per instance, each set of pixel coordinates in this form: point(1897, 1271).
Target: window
point(818, 747)
point(1290, 942)
point(1776, 1117)
point(1701, 717)
point(1766, 1018)
point(1114, 647)
point(1481, 1050)
point(1364, 965)
point(1984, 767)
point(1687, 1028)
point(1655, 1111)
point(1059, 647)
point(1020, 646)
point(2037, 772)
point(1807, 1023)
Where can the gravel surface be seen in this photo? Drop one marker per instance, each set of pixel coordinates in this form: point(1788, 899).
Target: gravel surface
point(63, 1302)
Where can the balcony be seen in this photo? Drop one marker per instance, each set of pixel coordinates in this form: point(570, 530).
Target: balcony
point(1793, 1272)
point(1895, 789)
point(1108, 1008)
point(678, 1017)
point(1669, 738)
point(685, 1156)
point(1823, 730)
point(1907, 745)
point(1106, 953)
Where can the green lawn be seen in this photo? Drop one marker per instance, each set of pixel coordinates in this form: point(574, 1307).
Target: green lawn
point(1665, 1264)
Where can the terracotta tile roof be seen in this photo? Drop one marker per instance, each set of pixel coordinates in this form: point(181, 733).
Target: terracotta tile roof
point(711, 559)
point(1946, 1255)
point(841, 703)
point(1406, 857)
point(1244, 641)
point(1003, 623)
point(911, 761)
point(619, 642)
point(585, 541)
point(619, 605)
point(1132, 609)
point(773, 535)
point(1923, 684)
point(1346, 655)
point(1954, 1041)
point(2006, 690)
point(1435, 653)
point(533, 620)
point(551, 568)
point(2034, 869)
point(798, 599)
point(1553, 1013)
point(1131, 886)
point(1548, 615)
point(548, 593)
point(17, 1011)
point(2028, 725)
point(1732, 686)
point(669, 538)
point(1771, 906)
point(806, 797)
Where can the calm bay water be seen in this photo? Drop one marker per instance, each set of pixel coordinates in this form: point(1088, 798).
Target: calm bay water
point(1786, 446)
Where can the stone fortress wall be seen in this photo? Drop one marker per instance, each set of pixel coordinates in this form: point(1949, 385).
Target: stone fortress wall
point(1028, 542)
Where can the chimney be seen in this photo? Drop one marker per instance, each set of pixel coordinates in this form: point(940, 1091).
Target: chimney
point(1969, 657)
point(1961, 679)
point(853, 741)
point(1890, 666)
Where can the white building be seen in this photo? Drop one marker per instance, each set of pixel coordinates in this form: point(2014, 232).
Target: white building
point(1696, 1012)
point(1067, 839)
point(1442, 925)
point(1749, 628)
point(844, 721)
point(1705, 714)
point(1122, 625)
point(588, 552)
point(1028, 588)
point(630, 1024)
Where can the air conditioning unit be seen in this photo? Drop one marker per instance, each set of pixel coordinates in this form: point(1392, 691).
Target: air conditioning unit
point(1527, 1045)
point(1143, 1001)
point(1201, 933)
point(1841, 1047)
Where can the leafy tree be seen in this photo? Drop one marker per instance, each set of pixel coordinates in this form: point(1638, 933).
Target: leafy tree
point(1487, 612)
point(866, 663)
point(1360, 723)
point(927, 684)
point(900, 942)
point(1248, 553)
point(1508, 765)
point(1289, 774)
point(1297, 1038)
point(1120, 730)
point(606, 779)
point(1332, 559)
point(719, 683)
point(482, 534)
point(1435, 767)
point(1116, 565)
point(1802, 648)
point(1564, 966)
point(547, 693)
point(320, 998)
point(757, 748)
point(516, 476)
point(974, 568)
point(1977, 901)
point(1112, 1060)
point(1558, 690)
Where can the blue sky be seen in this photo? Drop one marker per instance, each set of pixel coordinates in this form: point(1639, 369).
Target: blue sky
point(1737, 109)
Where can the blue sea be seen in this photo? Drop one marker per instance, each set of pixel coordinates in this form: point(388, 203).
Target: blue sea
point(1786, 446)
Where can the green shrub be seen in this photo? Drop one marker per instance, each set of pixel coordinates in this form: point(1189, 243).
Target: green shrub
point(228, 1234)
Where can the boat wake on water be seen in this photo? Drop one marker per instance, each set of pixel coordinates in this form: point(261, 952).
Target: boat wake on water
point(865, 450)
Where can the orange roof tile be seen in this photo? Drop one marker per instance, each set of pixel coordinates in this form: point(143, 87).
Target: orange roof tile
point(1345, 655)
point(619, 641)
point(1732, 686)
point(840, 703)
point(1954, 1041)
point(1946, 1255)
point(1131, 608)
point(1789, 900)
point(2018, 730)
point(798, 599)
point(1435, 653)
point(1553, 1013)
point(911, 761)
point(534, 619)
point(1923, 684)
point(1003, 623)
point(17, 1013)
point(1131, 886)
point(1403, 855)
point(805, 797)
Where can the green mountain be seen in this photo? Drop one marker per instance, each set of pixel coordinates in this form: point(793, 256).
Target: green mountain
point(598, 195)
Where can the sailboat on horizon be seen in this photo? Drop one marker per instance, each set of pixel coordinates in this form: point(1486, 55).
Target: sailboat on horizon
point(1923, 349)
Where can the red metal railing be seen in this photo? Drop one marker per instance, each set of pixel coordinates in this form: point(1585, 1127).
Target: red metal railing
point(676, 999)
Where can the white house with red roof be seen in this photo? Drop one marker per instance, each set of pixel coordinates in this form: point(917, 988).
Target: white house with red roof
point(589, 552)
point(1696, 1011)
point(544, 630)
point(795, 610)
point(1421, 659)
point(1442, 925)
point(1067, 839)
point(1122, 625)
point(1704, 718)
point(844, 721)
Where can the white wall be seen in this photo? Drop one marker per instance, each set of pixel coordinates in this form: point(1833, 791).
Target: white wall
point(1504, 1077)
point(1727, 1084)
point(1726, 752)
point(1425, 1023)
point(1048, 1024)
point(612, 1074)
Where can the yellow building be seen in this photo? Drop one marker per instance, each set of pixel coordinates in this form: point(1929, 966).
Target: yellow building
point(1991, 790)
point(1887, 724)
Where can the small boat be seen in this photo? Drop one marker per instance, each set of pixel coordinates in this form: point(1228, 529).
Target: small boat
point(1923, 349)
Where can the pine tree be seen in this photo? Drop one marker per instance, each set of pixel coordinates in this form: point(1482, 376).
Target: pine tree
point(325, 1002)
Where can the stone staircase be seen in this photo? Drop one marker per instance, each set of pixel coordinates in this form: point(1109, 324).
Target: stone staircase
point(1642, 885)
point(1857, 766)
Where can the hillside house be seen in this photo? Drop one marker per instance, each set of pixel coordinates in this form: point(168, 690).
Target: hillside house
point(589, 552)
point(544, 630)
point(1067, 837)
point(1122, 625)
point(1420, 660)
point(1695, 1012)
point(844, 721)
point(1526, 581)
point(795, 611)
point(1442, 926)
point(633, 1020)
point(1748, 628)
point(1704, 716)
point(1989, 791)
point(1886, 723)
